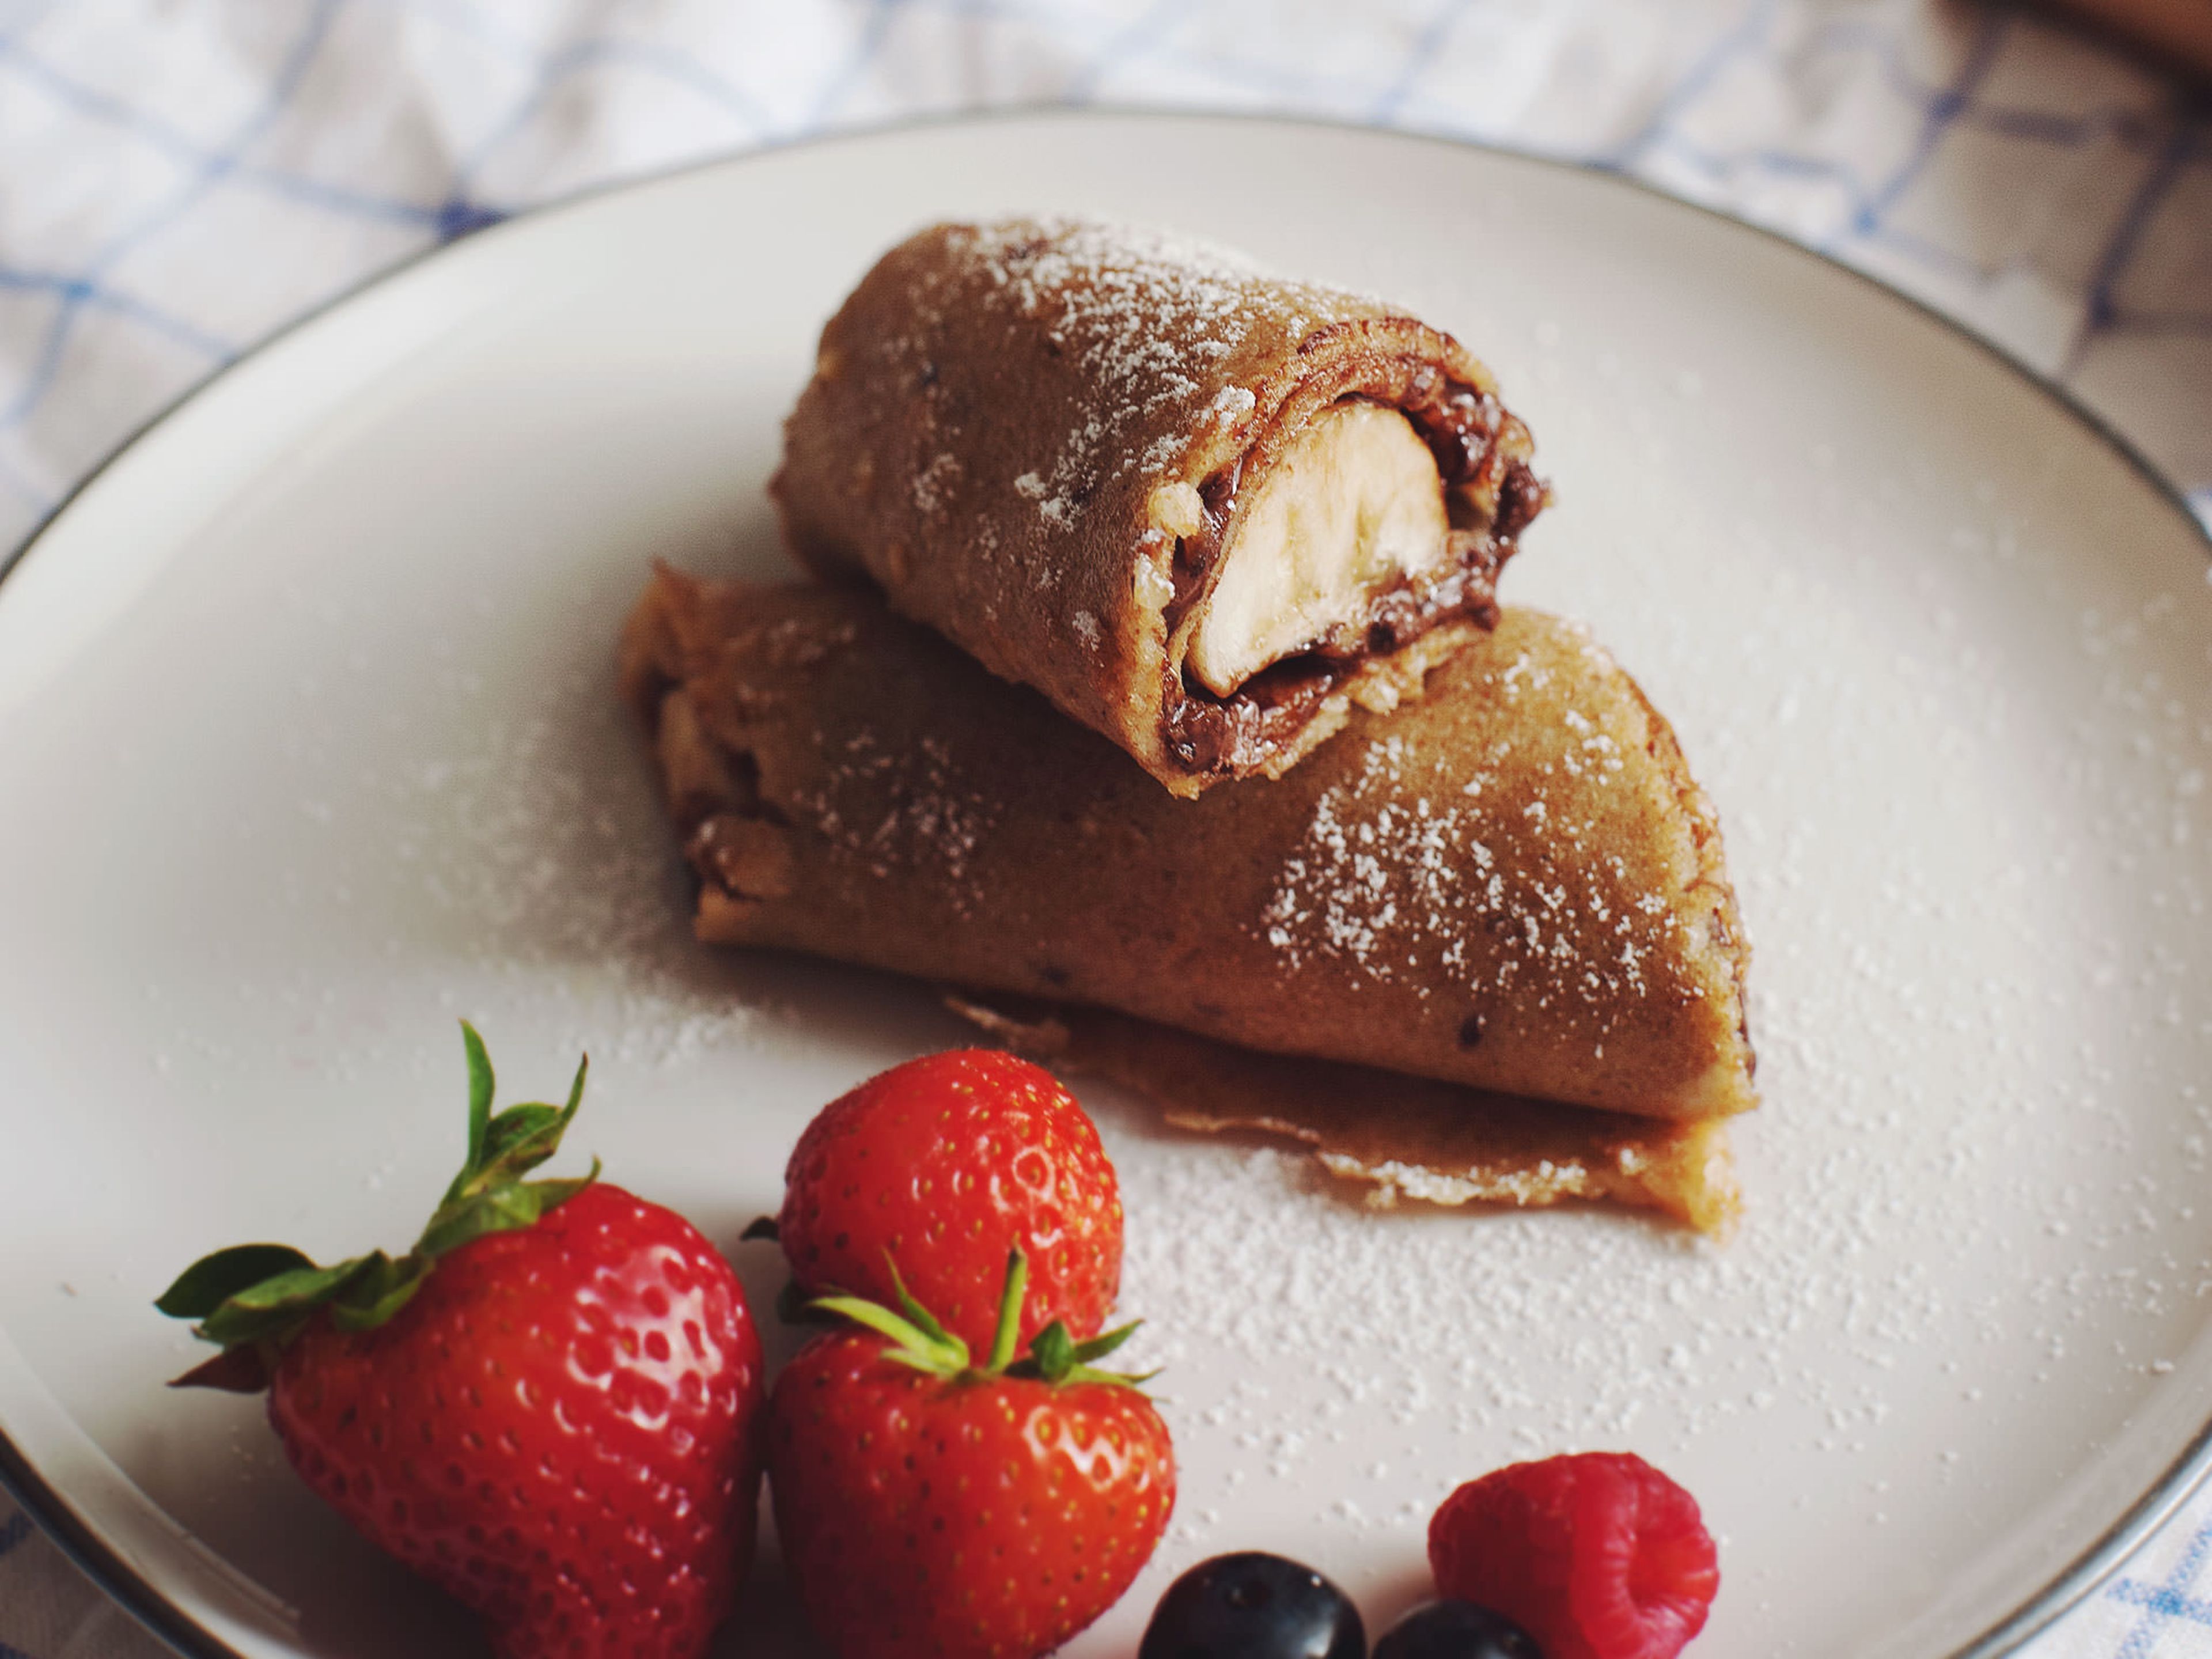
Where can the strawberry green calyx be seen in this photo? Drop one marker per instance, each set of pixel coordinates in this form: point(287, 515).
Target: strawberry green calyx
point(918, 1341)
point(252, 1299)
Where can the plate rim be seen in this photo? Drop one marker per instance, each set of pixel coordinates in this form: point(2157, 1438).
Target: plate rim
point(135, 1592)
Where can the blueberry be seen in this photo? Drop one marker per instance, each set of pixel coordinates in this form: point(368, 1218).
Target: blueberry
point(1456, 1630)
point(1254, 1606)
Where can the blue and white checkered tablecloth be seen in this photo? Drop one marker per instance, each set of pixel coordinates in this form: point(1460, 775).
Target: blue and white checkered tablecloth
point(178, 178)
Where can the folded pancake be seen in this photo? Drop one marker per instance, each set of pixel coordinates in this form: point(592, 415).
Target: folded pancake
point(1512, 883)
point(1399, 1137)
point(1204, 510)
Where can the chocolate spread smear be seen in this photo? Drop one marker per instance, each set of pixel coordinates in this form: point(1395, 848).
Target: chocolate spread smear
point(1491, 496)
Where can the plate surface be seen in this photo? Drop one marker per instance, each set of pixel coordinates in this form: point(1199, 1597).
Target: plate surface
point(308, 747)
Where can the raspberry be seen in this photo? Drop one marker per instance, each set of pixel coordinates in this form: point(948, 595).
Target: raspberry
point(1597, 1556)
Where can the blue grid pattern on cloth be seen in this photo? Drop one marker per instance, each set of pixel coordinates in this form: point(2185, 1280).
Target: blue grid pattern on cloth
point(1934, 76)
point(1853, 124)
point(2166, 1602)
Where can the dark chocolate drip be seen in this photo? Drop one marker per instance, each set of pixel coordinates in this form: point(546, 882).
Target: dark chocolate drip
point(1235, 735)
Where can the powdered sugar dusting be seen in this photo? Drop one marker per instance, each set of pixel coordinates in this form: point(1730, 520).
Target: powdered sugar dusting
point(508, 829)
point(1146, 313)
point(931, 483)
point(1962, 772)
point(932, 827)
point(1951, 690)
point(1963, 1221)
point(1396, 882)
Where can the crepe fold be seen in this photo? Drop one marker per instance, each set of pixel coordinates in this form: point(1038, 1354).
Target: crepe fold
point(1512, 883)
point(1207, 512)
point(1393, 1137)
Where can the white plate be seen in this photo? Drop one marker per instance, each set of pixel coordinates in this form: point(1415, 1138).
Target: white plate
point(307, 746)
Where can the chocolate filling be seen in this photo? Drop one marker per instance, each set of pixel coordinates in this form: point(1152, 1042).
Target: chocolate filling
point(1490, 497)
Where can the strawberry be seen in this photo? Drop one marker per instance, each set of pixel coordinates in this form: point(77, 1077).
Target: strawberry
point(946, 1163)
point(550, 1406)
point(1597, 1556)
point(933, 1509)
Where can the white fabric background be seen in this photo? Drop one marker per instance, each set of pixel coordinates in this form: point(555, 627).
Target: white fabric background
point(176, 179)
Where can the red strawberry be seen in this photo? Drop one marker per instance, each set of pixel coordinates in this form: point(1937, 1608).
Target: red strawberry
point(930, 1509)
point(946, 1163)
point(1597, 1556)
point(548, 1407)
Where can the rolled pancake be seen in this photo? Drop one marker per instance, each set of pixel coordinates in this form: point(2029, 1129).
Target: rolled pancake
point(1398, 1137)
point(1512, 883)
point(1204, 510)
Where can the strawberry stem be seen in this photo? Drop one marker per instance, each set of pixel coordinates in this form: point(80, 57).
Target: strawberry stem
point(259, 1296)
point(919, 1341)
point(1008, 1334)
point(943, 1354)
point(920, 1315)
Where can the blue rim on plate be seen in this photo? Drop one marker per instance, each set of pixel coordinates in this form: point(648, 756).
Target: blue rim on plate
point(146, 1603)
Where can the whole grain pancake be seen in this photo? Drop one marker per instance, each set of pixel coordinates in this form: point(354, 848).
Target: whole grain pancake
point(1205, 510)
point(1513, 884)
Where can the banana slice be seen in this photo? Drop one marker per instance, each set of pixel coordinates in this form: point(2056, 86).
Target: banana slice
point(1355, 503)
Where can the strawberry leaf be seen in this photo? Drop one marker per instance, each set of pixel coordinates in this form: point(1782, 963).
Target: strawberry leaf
point(944, 1356)
point(489, 1195)
point(214, 1279)
point(481, 1084)
point(919, 1341)
point(234, 1371)
point(278, 1304)
point(504, 1146)
point(1104, 1343)
point(1052, 1350)
point(918, 1315)
point(499, 1210)
point(522, 1137)
point(234, 1327)
point(1056, 1358)
point(380, 1290)
point(295, 1288)
point(551, 1194)
point(254, 1298)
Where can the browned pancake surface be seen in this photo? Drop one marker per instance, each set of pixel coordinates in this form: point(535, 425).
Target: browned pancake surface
point(1512, 884)
point(996, 409)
